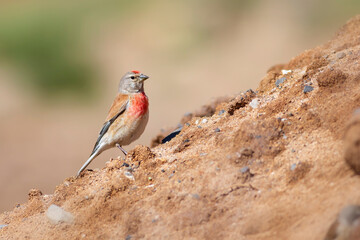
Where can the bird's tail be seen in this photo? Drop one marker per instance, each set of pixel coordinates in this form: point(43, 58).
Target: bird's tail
point(93, 155)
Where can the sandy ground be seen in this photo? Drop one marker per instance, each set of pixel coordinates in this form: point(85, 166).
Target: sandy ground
point(267, 164)
point(43, 144)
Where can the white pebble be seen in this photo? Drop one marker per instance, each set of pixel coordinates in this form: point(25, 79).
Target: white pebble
point(129, 175)
point(57, 215)
point(285, 71)
point(67, 183)
point(204, 120)
point(254, 103)
point(3, 225)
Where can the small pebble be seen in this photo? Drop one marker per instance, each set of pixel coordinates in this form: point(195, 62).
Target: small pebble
point(57, 215)
point(340, 55)
point(3, 225)
point(187, 124)
point(254, 103)
point(179, 181)
point(154, 220)
point(221, 111)
point(128, 237)
point(293, 166)
point(285, 71)
point(203, 154)
point(308, 89)
point(171, 135)
point(217, 130)
point(196, 196)
point(204, 120)
point(162, 170)
point(197, 122)
point(217, 169)
point(66, 183)
point(130, 169)
point(129, 175)
point(125, 165)
point(245, 169)
point(280, 81)
point(150, 178)
point(199, 126)
point(171, 175)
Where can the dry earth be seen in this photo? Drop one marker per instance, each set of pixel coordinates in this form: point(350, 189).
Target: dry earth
point(264, 164)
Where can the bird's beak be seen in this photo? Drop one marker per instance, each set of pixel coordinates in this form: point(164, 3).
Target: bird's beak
point(143, 77)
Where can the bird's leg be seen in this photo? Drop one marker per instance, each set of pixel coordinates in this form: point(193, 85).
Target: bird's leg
point(123, 150)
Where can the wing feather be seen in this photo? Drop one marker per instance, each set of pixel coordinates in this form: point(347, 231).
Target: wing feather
point(118, 107)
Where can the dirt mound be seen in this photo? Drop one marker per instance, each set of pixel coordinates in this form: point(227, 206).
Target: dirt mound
point(267, 164)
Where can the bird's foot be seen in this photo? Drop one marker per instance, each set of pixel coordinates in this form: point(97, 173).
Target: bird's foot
point(123, 150)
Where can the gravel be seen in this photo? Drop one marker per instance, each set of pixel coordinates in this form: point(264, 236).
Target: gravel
point(340, 55)
point(280, 81)
point(254, 103)
point(245, 169)
point(3, 225)
point(308, 89)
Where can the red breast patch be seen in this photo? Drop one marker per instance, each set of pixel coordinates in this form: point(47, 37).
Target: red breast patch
point(139, 105)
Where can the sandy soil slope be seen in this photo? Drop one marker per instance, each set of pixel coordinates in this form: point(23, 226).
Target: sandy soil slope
point(264, 164)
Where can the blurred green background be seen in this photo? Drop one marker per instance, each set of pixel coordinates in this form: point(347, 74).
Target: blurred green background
point(60, 63)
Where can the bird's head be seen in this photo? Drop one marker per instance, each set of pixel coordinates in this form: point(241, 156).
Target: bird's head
point(132, 82)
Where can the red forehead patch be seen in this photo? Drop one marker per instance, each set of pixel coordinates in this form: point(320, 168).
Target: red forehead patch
point(136, 72)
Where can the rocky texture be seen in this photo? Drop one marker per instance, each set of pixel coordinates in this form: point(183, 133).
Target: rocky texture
point(352, 142)
point(346, 225)
point(274, 171)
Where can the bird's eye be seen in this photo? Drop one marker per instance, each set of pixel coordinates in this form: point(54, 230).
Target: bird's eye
point(132, 77)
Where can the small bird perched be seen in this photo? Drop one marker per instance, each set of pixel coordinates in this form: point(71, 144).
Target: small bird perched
point(127, 116)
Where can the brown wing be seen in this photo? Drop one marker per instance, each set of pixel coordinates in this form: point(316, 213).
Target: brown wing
point(117, 108)
point(120, 101)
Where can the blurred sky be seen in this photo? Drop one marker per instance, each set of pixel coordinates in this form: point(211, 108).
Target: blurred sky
point(61, 61)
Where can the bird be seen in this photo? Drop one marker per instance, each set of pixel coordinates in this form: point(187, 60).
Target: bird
point(127, 117)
